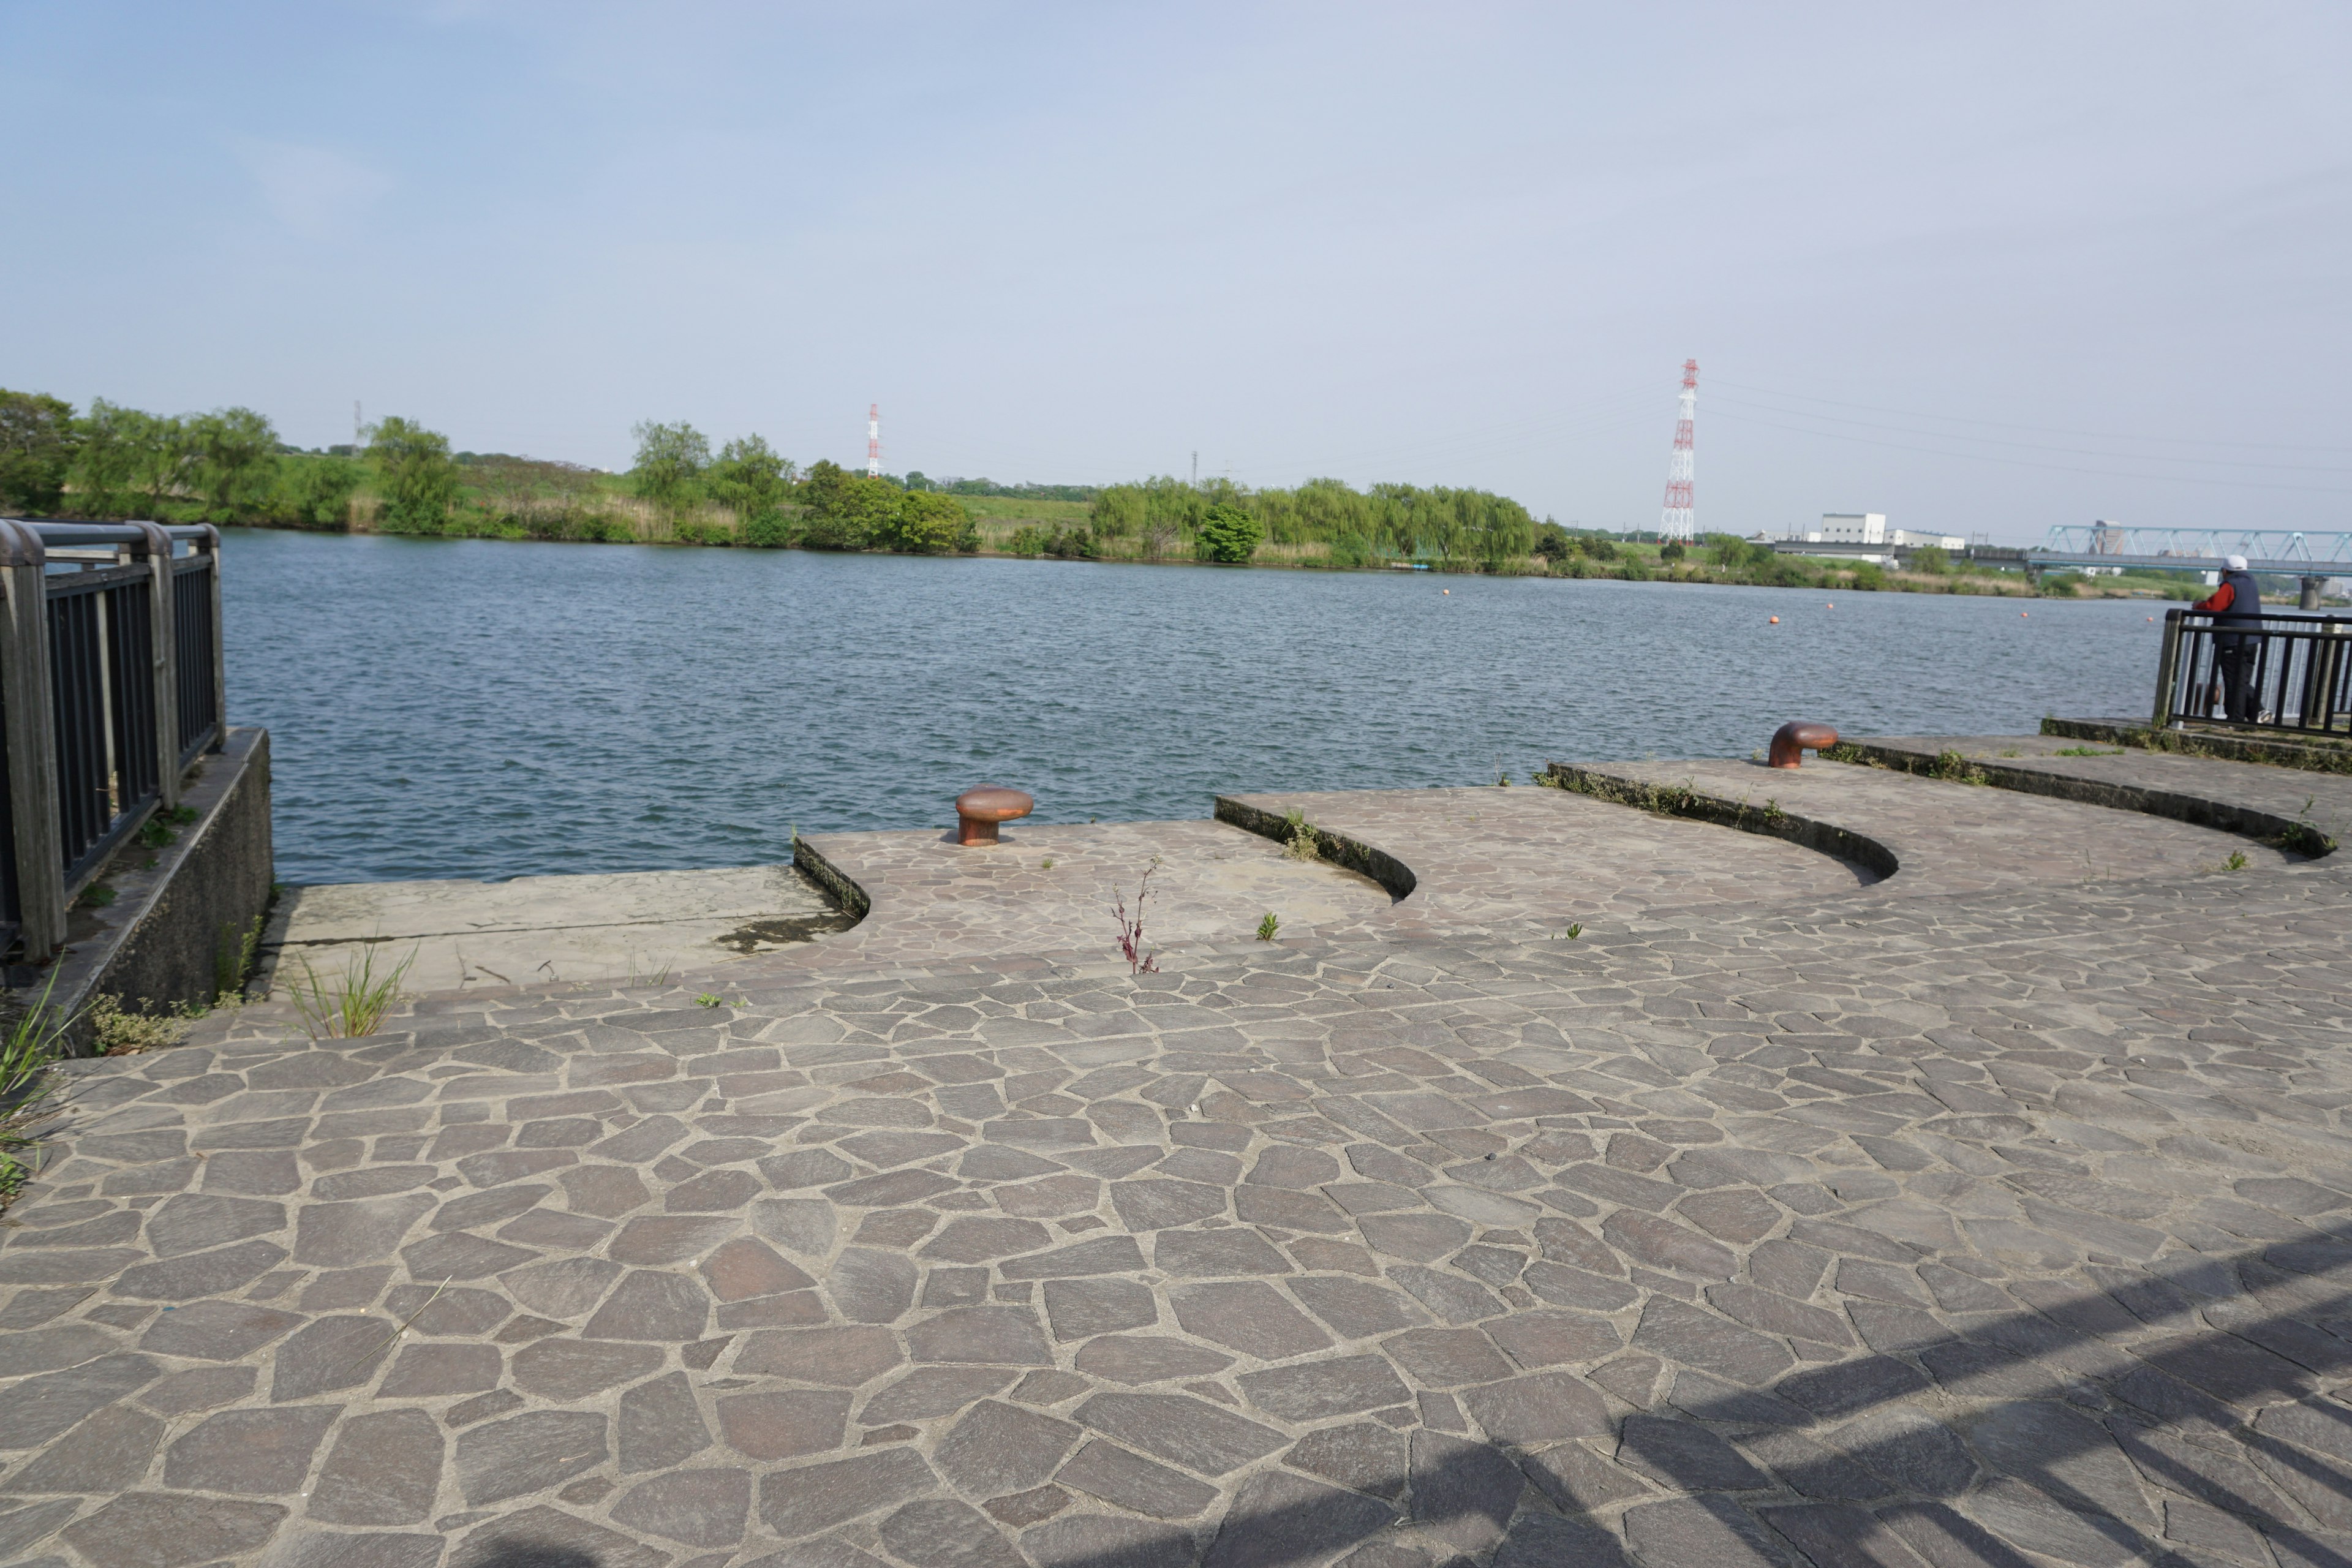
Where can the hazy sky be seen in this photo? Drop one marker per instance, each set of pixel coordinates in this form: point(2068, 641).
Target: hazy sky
point(1981, 267)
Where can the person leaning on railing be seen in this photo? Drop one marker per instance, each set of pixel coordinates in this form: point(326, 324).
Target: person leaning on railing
point(2237, 602)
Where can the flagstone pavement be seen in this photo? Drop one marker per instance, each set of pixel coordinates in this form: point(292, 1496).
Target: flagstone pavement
point(1942, 1220)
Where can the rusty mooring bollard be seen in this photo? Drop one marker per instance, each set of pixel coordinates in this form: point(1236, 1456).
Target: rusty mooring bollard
point(978, 811)
point(1790, 742)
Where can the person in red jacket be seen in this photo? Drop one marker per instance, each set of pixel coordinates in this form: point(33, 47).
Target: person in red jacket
point(2237, 602)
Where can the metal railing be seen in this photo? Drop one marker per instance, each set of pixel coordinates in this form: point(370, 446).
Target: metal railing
point(110, 686)
point(2291, 672)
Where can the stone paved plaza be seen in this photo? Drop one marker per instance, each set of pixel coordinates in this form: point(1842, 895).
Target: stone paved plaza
point(1996, 1212)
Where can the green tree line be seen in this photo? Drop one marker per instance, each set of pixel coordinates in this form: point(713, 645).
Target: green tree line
point(1359, 528)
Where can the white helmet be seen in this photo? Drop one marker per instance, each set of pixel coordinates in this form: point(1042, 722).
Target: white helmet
point(2235, 563)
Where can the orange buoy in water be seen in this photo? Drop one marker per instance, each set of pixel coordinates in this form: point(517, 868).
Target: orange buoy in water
point(1446, 590)
point(1830, 606)
point(2024, 614)
point(1776, 620)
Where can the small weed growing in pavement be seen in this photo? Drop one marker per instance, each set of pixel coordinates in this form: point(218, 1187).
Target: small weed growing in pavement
point(1305, 843)
point(706, 1000)
point(155, 833)
point(1573, 932)
point(350, 1006)
point(118, 1032)
point(1953, 767)
point(1267, 927)
point(96, 895)
point(1047, 864)
point(1130, 926)
point(2075, 752)
point(233, 961)
point(2236, 862)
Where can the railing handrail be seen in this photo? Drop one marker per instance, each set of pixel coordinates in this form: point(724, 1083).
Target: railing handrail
point(2279, 671)
point(83, 535)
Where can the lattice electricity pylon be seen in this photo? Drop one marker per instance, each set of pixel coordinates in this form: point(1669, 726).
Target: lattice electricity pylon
point(1675, 522)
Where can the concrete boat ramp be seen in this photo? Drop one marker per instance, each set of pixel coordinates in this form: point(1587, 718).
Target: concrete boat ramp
point(1694, 1164)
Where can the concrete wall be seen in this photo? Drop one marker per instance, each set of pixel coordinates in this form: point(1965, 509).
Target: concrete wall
point(163, 939)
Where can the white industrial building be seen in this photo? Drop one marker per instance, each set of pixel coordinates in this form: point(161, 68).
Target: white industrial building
point(1864, 536)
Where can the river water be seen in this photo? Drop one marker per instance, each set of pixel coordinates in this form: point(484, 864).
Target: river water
point(466, 708)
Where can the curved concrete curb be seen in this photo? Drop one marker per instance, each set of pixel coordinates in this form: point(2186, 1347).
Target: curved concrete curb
point(1685, 800)
point(1337, 848)
point(2317, 755)
point(2200, 811)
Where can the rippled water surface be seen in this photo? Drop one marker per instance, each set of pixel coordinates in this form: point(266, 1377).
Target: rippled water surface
point(445, 708)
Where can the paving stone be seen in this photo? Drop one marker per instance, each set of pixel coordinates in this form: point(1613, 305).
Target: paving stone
point(658, 1241)
point(815, 1497)
point(1278, 1518)
point(940, 1532)
point(1100, 1541)
point(1537, 1407)
point(1446, 1358)
point(1684, 1333)
point(659, 1424)
point(1355, 1309)
point(870, 1286)
point(548, 1536)
point(1310, 1392)
point(205, 1388)
point(1448, 1297)
point(330, 1353)
point(1180, 1429)
point(1009, 1336)
point(214, 1331)
point(384, 1467)
point(931, 1392)
point(1248, 1317)
point(1684, 1456)
point(1213, 1254)
point(1148, 1358)
point(304, 1548)
point(1081, 1308)
point(158, 1529)
point(1546, 1540)
point(216, 1273)
point(107, 1453)
point(1698, 1529)
point(972, 1239)
point(1463, 1492)
point(254, 1452)
point(781, 1424)
point(528, 1453)
point(1416, 1238)
point(1130, 1481)
point(571, 1370)
point(426, 1371)
point(1104, 1254)
point(1542, 1338)
point(696, 1507)
point(843, 1357)
point(651, 1304)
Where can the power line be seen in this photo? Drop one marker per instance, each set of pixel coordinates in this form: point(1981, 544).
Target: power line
point(2029, 463)
point(2036, 429)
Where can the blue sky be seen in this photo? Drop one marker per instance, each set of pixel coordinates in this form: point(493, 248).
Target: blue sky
point(1985, 268)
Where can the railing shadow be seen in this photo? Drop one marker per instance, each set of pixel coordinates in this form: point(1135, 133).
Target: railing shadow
point(1470, 1493)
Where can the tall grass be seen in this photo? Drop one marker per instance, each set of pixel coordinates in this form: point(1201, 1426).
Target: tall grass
point(33, 1041)
point(351, 1005)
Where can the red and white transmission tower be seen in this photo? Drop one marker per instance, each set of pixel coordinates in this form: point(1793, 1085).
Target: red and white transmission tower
point(1675, 522)
point(873, 440)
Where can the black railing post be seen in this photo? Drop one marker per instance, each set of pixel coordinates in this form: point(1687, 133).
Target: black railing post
point(212, 546)
point(165, 675)
point(26, 706)
point(2168, 664)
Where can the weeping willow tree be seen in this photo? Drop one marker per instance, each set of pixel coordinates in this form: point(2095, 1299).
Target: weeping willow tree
point(1389, 522)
